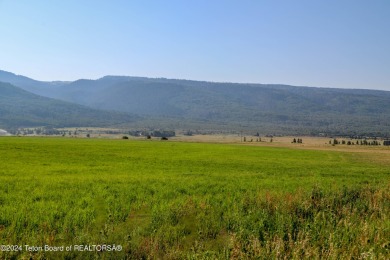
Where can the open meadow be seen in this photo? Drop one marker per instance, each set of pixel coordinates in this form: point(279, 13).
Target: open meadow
point(191, 200)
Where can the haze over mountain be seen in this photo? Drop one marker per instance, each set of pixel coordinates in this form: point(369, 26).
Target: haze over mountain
point(19, 108)
point(226, 106)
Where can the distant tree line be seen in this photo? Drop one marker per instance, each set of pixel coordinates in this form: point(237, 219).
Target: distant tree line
point(374, 142)
point(36, 131)
point(154, 133)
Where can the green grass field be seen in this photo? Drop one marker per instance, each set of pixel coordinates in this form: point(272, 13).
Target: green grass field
point(178, 200)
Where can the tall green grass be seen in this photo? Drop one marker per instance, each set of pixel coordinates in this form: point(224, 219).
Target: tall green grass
point(191, 200)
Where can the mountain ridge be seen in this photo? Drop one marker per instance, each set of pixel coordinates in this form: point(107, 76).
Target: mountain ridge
point(20, 108)
point(274, 108)
point(130, 78)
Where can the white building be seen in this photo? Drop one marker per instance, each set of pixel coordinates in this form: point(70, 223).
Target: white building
point(3, 132)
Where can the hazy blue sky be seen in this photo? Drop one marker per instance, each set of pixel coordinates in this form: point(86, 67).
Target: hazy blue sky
point(329, 43)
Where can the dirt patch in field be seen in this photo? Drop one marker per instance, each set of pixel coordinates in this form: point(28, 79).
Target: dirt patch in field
point(379, 154)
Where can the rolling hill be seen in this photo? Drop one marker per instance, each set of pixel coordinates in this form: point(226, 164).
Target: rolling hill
point(19, 108)
point(227, 106)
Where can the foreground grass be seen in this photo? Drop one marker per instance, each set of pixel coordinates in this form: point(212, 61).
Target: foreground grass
point(189, 200)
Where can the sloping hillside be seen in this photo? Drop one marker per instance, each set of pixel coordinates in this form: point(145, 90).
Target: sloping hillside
point(31, 85)
point(272, 108)
point(268, 108)
point(19, 108)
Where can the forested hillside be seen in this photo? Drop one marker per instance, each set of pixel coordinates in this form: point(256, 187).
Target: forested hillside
point(19, 108)
point(196, 104)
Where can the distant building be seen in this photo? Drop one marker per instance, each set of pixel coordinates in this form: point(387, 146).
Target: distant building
point(3, 132)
